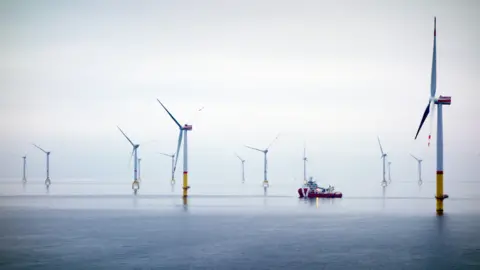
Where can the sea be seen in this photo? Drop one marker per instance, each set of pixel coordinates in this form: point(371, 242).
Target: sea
point(92, 224)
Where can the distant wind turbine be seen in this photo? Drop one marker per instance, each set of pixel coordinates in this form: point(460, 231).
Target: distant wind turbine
point(265, 151)
point(419, 169)
point(136, 183)
point(243, 168)
point(384, 156)
point(172, 156)
point(47, 181)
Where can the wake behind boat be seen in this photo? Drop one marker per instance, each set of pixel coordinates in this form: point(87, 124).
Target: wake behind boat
point(312, 190)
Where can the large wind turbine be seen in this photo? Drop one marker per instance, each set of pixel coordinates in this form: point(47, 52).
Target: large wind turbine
point(384, 156)
point(440, 101)
point(419, 169)
point(172, 156)
point(24, 178)
point(243, 168)
point(265, 179)
point(47, 181)
point(183, 130)
point(136, 183)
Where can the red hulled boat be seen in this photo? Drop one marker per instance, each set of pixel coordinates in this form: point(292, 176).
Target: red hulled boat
point(312, 190)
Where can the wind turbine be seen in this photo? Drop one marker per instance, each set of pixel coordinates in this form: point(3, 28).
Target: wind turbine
point(24, 178)
point(440, 101)
point(172, 156)
point(419, 169)
point(265, 181)
point(183, 133)
point(47, 181)
point(136, 183)
point(304, 165)
point(389, 176)
point(243, 168)
point(384, 156)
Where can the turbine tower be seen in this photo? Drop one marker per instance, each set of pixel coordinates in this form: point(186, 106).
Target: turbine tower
point(243, 168)
point(183, 133)
point(440, 101)
point(265, 152)
point(24, 178)
point(139, 171)
point(389, 176)
point(47, 181)
point(419, 169)
point(172, 156)
point(136, 183)
point(384, 156)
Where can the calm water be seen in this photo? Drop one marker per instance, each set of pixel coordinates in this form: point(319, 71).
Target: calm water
point(235, 227)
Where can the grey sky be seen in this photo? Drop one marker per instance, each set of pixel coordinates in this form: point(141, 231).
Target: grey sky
point(333, 73)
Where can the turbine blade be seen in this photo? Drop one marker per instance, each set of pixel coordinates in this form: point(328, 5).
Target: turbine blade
point(433, 83)
point(432, 121)
point(273, 141)
point(173, 118)
point(40, 148)
point(414, 157)
point(238, 157)
point(193, 117)
point(180, 136)
point(126, 136)
point(165, 154)
point(254, 148)
point(131, 156)
point(381, 149)
point(425, 114)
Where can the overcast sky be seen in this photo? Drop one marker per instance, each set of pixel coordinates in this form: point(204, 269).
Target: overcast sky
point(332, 73)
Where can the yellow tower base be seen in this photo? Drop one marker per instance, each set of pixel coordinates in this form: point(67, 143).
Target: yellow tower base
point(185, 184)
point(439, 196)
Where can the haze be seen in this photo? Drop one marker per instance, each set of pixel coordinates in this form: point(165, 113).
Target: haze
point(332, 73)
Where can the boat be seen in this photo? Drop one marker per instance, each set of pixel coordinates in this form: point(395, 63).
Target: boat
point(312, 190)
